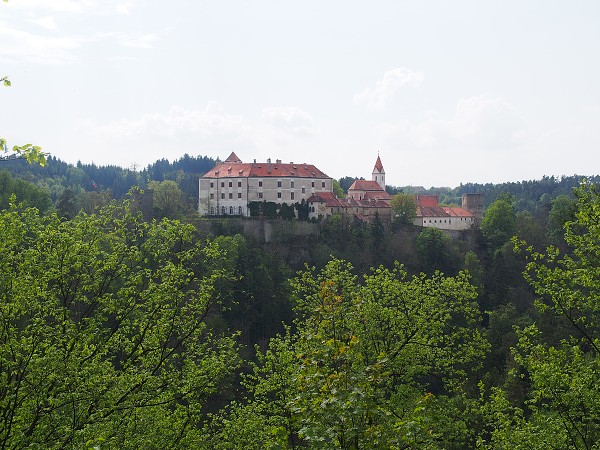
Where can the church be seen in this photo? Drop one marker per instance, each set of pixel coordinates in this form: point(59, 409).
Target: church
point(366, 199)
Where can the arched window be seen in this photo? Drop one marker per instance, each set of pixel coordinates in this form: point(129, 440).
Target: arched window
point(212, 210)
point(223, 210)
point(231, 210)
point(240, 210)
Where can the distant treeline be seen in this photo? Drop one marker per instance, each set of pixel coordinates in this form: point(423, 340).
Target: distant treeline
point(114, 182)
point(57, 175)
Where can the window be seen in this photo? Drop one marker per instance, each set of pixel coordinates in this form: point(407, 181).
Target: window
point(313, 184)
point(212, 210)
point(222, 195)
point(239, 195)
point(222, 184)
point(292, 196)
point(260, 195)
point(212, 184)
point(230, 184)
point(303, 190)
point(231, 210)
point(240, 210)
point(260, 184)
point(230, 196)
point(212, 196)
point(292, 183)
point(279, 195)
point(223, 210)
point(239, 184)
point(322, 184)
point(279, 184)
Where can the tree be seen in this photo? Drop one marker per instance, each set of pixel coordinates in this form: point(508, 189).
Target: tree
point(337, 189)
point(67, 206)
point(562, 211)
point(369, 367)
point(105, 336)
point(404, 208)
point(26, 193)
point(563, 402)
point(499, 222)
point(167, 199)
point(432, 250)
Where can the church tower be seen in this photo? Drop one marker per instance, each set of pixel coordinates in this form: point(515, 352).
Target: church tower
point(379, 173)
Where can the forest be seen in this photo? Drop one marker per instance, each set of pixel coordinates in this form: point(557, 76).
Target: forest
point(128, 322)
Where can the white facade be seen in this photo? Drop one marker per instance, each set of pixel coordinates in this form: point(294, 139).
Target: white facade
point(229, 187)
point(445, 222)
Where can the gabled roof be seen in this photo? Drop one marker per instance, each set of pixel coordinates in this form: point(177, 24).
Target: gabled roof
point(376, 195)
point(330, 200)
point(233, 158)
point(365, 185)
point(431, 211)
point(378, 165)
point(456, 211)
point(350, 202)
point(229, 169)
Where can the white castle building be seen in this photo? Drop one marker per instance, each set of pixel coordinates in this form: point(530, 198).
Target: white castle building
point(229, 187)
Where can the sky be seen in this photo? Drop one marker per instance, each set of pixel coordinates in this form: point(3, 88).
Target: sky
point(446, 92)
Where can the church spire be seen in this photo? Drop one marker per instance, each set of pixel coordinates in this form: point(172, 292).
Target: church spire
point(379, 173)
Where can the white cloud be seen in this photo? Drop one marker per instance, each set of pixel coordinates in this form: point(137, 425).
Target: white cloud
point(289, 119)
point(385, 90)
point(19, 45)
point(130, 39)
point(487, 120)
point(479, 123)
point(95, 7)
point(46, 22)
point(211, 123)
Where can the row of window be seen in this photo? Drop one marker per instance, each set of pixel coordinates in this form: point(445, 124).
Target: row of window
point(260, 183)
point(260, 195)
point(213, 211)
point(462, 219)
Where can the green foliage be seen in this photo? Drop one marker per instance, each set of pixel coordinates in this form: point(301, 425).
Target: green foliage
point(404, 208)
point(562, 211)
point(167, 199)
point(26, 193)
point(105, 335)
point(337, 189)
point(286, 211)
point(369, 367)
point(563, 403)
point(499, 222)
point(432, 247)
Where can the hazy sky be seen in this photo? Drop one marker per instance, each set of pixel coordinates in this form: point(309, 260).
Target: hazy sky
point(447, 92)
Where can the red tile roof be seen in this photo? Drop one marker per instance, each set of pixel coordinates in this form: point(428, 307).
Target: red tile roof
point(365, 185)
point(426, 200)
point(372, 203)
point(330, 200)
point(263, 170)
point(431, 211)
point(378, 164)
point(233, 158)
point(457, 211)
point(376, 195)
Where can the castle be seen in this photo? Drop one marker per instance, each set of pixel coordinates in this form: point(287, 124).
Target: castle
point(232, 186)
